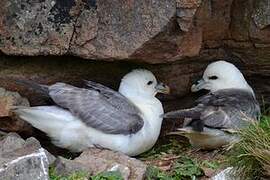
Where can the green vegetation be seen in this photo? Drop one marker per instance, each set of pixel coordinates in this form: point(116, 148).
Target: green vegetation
point(183, 168)
point(112, 175)
point(170, 146)
point(251, 156)
point(74, 176)
point(176, 155)
point(80, 175)
point(211, 164)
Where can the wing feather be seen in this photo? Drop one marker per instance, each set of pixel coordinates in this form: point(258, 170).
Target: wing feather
point(224, 109)
point(96, 108)
point(113, 97)
point(230, 108)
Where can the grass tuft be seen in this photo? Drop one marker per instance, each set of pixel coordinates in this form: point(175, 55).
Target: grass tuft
point(251, 156)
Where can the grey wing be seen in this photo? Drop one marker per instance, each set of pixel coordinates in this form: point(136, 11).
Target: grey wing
point(113, 97)
point(96, 110)
point(229, 108)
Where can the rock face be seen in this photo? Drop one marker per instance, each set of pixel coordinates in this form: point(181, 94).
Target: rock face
point(180, 37)
point(95, 161)
point(153, 31)
point(89, 29)
point(23, 160)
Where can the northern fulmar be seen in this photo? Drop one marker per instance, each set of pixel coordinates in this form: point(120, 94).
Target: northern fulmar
point(128, 121)
point(229, 106)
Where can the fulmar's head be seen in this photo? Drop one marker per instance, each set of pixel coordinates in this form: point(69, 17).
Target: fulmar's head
point(221, 75)
point(141, 82)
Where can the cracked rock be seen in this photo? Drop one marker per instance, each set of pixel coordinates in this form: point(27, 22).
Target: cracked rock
point(23, 160)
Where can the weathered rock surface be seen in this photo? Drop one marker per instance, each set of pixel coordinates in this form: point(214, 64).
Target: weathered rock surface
point(66, 167)
point(7, 121)
point(95, 161)
point(89, 29)
point(23, 160)
point(153, 31)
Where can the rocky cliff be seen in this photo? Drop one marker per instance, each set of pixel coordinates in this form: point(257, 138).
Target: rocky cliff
point(178, 37)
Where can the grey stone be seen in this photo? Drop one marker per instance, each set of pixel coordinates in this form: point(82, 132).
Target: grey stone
point(23, 160)
point(95, 161)
point(34, 165)
point(66, 167)
point(35, 144)
point(11, 142)
point(105, 160)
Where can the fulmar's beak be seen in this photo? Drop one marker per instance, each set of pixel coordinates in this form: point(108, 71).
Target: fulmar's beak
point(201, 84)
point(162, 88)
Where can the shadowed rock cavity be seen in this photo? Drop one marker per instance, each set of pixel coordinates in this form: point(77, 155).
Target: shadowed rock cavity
point(179, 76)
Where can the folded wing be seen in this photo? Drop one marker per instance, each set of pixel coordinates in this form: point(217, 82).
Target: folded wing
point(113, 97)
point(230, 108)
point(98, 107)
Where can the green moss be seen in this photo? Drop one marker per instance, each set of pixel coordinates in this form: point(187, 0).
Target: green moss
point(155, 173)
point(81, 175)
point(210, 164)
point(109, 175)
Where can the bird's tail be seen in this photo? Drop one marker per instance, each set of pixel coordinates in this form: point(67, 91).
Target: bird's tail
point(64, 129)
point(189, 131)
point(39, 88)
point(44, 118)
point(192, 113)
point(191, 116)
point(182, 131)
point(208, 139)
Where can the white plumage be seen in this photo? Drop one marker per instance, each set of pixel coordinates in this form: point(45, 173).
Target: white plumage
point(231, 105)
point(77, 128)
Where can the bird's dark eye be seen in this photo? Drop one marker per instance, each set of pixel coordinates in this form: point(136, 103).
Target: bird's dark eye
point(149, 82)
point(213, 77)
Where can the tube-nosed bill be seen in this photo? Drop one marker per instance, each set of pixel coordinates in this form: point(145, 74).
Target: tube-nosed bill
point(162, 88)
point(199, 85)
